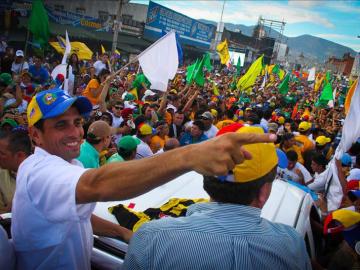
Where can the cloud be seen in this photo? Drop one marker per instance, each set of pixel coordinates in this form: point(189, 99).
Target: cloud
point(305, 4)
point(249, 12)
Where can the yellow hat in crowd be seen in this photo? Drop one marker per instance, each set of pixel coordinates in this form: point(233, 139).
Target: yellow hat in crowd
point(281, 120)
point(264, 159)
point(322, 140)
point(304, 126)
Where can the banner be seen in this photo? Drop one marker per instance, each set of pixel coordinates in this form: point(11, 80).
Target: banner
point(190, 31)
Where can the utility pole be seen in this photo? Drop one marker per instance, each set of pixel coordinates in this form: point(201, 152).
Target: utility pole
point(117, 26)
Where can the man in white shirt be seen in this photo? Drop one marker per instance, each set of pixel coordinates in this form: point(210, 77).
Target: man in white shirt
point(296, 171)
point(144, 134)
point(101, 64)
point(19, 65)
point(210, 130)
point(55, 197)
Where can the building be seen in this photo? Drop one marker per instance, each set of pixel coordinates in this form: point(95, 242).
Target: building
point(341, 66)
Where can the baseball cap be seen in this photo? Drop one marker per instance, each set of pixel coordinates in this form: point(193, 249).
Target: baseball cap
point(19, 53)
point(99, 129)
point(264, 159)
point(281, 120)
point(207, 116)
point(9, 121)
point(6, 78)
point(272, 127)
point(54, 102)
point(171, 107)
point(346, 160)
point(145, 129)
point(129, 97)
point(322, 140)
point(304, 126)
point(128, 143)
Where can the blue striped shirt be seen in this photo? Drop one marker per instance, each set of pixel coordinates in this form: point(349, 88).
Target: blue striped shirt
point(217, 236)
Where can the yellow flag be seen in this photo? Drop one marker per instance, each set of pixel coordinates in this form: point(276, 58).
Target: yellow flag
point(102, 49)
point(249, 78)
point(223, 52)
point(117, 52)
point(318, 81)
point(82, 51)
point(349, 96)
point(281, 74)
point(270, 68)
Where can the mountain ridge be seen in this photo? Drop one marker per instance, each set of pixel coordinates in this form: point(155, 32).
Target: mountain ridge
point(310, 46)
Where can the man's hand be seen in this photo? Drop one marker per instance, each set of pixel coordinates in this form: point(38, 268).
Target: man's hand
point(219, 155)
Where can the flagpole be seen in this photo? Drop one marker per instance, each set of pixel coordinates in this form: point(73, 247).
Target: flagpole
point(26, 42)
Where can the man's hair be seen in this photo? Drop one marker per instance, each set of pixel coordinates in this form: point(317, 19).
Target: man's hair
point(238, 193)
point(229, 114)
point(292, 156)
point(124, 153)
point(199, 124)
point(19, 141)
point(320, 159)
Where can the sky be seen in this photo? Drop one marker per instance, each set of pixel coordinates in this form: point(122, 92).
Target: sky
point(338, 21)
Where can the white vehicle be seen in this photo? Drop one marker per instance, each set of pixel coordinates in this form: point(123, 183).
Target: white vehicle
point(287, 204)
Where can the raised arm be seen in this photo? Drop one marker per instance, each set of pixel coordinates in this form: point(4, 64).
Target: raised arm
point(119, 181)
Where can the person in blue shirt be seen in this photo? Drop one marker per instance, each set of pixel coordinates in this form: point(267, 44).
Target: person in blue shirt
point(227, 232)
point(195, 135)
point(39, 74)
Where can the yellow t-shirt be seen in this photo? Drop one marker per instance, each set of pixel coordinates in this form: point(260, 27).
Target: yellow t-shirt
point(93, 84)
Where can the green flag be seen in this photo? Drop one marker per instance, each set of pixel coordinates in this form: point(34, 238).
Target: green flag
point(238, 67)
point(139, 80)
point(327, 93)
point(39, 23)
point(207, 62)
point(276, 69)
point(190, 71)
point(199, 73)
point(284, 85)
point(249, 78)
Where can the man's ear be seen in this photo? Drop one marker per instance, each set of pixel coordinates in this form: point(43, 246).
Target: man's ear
point(264, 194)
point(35, 135)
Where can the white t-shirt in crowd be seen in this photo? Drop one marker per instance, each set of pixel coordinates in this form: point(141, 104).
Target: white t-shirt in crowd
point(17, 68)
point(143, 150)
point(49, 230)
point(211, 133)
point(292, 175)
point(99, 66)
point(319, 182)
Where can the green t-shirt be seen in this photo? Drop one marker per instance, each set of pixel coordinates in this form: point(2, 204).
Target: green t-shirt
point(89, 156)
point(115, 158)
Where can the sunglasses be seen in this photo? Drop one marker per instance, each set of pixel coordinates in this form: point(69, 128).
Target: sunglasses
point(119, 107)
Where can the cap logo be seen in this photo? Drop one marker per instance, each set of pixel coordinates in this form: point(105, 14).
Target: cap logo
point(49, 98)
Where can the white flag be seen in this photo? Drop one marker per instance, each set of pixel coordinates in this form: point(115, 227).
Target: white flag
point(67, 48)
point(350, 134)
point(160, 61)
point(311, 75)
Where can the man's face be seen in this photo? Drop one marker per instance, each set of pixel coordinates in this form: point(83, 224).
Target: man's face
point(105, 58)
point(7, 158)
point(178, 119)
point(195, 131)
point(148, 112)
point(116, 109)
point(316, 167)
point(207, 123)
point(61, 135)
point(291, 165)
point(37, 62)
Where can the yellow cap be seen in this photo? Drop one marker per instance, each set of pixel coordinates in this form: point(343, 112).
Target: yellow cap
point(322, 140)
point(264, 159)
point(281, 120)
point(304, 126)
point(214, 112)
point(145, 129)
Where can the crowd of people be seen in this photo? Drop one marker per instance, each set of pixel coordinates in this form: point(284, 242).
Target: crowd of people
point(109, 118)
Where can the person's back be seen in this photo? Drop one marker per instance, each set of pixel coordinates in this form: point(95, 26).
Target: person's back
point(216, 236)
point(228, 232)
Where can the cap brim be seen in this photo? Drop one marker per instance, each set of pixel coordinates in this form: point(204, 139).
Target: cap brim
point(354, 195)
point(82, 104)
